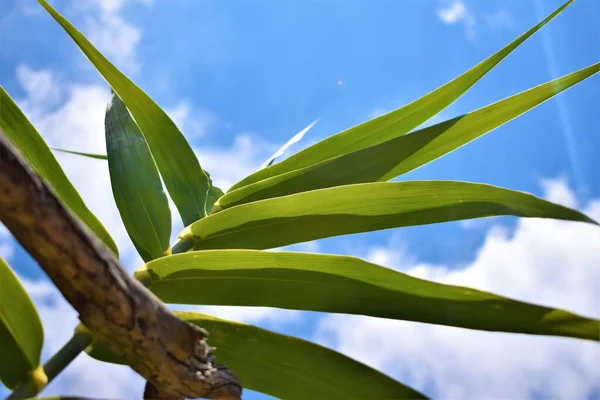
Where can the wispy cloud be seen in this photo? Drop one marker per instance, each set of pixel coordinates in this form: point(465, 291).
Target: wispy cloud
point(548, 262)
point(453, 12)
point(499, 19)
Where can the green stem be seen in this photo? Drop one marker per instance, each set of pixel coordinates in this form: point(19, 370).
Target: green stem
point(78, 343)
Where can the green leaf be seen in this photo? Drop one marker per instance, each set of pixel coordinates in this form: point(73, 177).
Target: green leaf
point(405, 153)
point(287, 367)
point(362, 208)
point(337, 284)
point(28, 141)
point(396, 123)
point(79, 153)
point(214, 193)
point(136, 184)
point(21, 332)
point(184, 178)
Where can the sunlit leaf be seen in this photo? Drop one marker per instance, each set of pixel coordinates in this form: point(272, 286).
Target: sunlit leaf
point(30, 144)
point(136, 184)
point(287, 367)
point(395, 123)
point(21, 332)
point(338, 284)
point(362, 208)
point(405, 153)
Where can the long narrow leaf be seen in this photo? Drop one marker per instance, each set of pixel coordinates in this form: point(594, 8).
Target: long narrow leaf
point(21, 332)
point(287, 367)
point(184, 178)
point(25, 137)
point(405, 153)
point(362, 208)
point(396, 123)
point(337, 284)
point(136, 184)
point(79, 153)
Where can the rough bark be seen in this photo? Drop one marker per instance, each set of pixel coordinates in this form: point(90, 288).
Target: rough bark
point(170, 353)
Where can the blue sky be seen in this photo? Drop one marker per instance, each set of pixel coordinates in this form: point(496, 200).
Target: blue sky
point(240, 78)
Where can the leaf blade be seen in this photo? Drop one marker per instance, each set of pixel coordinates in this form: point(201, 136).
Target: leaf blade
point(328, 212)
point(79, 153)
point(21, 331)
point(185, 180)
point(287, 367)
point(29, 142)
point(136, 184)
point(398, 122)
point(405, 153)
point(340, 284)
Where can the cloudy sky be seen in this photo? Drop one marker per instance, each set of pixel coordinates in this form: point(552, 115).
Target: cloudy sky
point(240, 78)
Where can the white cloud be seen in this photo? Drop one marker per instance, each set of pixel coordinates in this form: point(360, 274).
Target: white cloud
point(39, 86)
point(191, 122)
point(499, 19)
point(115, 38)
point(107, 28)
point(555, 263)
point(227, 165)
point(457, 12)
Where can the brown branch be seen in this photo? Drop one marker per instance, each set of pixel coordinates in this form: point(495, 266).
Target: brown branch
point(119, 311)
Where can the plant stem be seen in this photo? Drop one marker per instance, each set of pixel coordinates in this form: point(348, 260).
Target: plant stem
point(78, 343)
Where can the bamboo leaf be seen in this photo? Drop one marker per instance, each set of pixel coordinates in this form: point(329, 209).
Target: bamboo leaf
point(136, 184)
point(337, 284)
point(362, 208)
point(286, 367)
point(21, 332)
point(28, 141)
point(405, 153)
point(396, 123)
point(185, 180)
point(79, 153)
point(214, 193)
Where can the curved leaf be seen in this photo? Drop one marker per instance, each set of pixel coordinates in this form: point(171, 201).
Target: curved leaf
point(362, 208)
point(21, 332)
point(24, 136)
point(184, 178)
point(287, 367)
point(338, 284)
point(396, 123)
point(405, 153)
point(136, 184)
